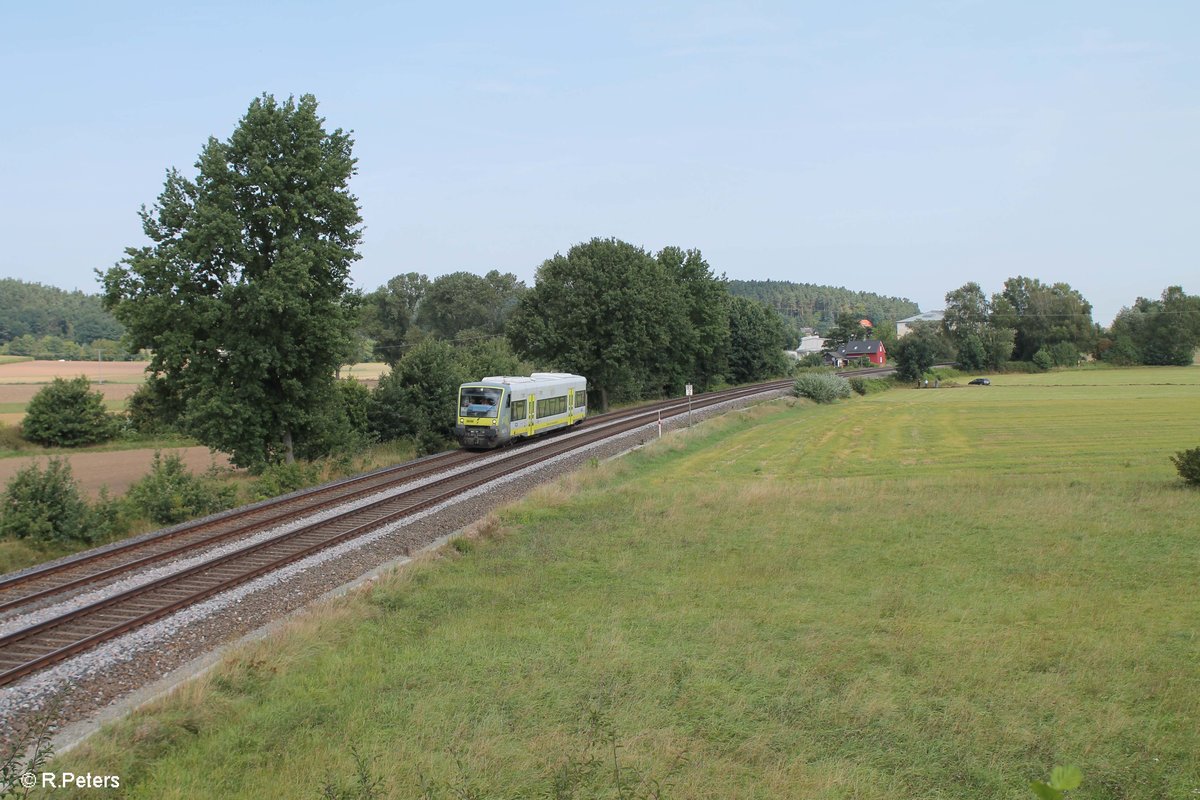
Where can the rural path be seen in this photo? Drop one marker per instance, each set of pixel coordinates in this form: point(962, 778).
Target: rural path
point(117, 470)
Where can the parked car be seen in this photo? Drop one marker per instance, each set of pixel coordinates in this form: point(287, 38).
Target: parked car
point(980, 382)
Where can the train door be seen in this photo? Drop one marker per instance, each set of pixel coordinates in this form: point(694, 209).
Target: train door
point(570, 406)
point(531, 405)
point(503, 422)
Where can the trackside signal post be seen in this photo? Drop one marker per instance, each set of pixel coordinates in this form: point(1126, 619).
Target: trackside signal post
point(688, 391)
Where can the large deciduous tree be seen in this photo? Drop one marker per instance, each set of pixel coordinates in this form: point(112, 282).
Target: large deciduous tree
point(1043, 315)
point(757, 337)
point(848, 327)
point(920, 349)
point(701, 347)
point(463, 301)
point(243, 297)
point(388, 312)
point(605, 310)
point(969, 326)
point(1160, 332)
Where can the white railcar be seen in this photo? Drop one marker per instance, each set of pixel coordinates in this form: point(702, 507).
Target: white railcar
point(495, 410)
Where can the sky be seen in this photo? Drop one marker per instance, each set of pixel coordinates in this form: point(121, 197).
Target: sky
point(903, 148)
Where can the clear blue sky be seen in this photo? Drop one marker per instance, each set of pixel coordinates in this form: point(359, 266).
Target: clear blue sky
point(903, 148)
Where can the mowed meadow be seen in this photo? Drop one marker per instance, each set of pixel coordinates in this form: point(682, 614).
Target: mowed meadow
point(917, 594)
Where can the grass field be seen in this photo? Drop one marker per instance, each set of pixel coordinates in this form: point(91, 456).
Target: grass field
point(918, 594)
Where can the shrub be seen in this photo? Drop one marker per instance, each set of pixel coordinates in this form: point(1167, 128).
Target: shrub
point(859, 385)
point(277, 479)
point(1042, 359)
point(811, 360)
point(822, 387)
point(1063, 354)
point(171, 494)
point(108, 517)
point(45, 506)
point(149, 411)
point(356, 401)
point(1187, 462)
point(68, 414)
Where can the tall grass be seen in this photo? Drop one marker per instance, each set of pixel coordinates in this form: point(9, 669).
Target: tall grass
point(915, 595)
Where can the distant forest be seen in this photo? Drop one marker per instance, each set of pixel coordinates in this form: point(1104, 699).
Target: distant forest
point(49, 322)
point(807, 305)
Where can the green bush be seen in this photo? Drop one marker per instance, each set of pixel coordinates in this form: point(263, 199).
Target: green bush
point(356, 401)
point(108, 517)
point(1063, 354)
point(45, 506)
point(171, 494)
point(858, 385)
point(1042, 359)
point(811, 360)
point(68, 414)
point(277, 479)
point(822, 387)
point(150, 413)
point(1187, 462)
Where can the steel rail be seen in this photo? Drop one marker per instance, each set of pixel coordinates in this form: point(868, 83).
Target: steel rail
point(246, 520)
point(294, 546)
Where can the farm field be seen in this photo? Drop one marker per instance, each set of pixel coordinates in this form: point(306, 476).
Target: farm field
point(116, 464)
point(21, 380)
point(917, 594)
point(116, 469)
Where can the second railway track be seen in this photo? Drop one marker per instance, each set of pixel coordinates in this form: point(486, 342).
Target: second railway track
point(58, 637)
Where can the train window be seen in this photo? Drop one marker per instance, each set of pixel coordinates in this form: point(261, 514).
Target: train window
point(552, 406)
point(518, 410)
point(580, 399)
point(478, 401)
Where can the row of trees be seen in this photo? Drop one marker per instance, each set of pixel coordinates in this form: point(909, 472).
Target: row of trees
point(459, 306)
point(1162, 332)
point(56, 347)
point(243, 300)
point(1027, 321)
point(1050, 325)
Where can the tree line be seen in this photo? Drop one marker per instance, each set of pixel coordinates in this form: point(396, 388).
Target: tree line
point(243, 300)
point(1045, 325)
point(48, 322)
point(809, 305)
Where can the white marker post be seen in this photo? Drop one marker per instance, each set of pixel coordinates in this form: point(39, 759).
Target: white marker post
point(660, 424)
point(688, 391)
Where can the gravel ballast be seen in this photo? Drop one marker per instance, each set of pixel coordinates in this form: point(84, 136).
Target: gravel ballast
point(78, 688)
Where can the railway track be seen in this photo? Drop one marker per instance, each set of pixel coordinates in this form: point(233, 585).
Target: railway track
point(56, 638)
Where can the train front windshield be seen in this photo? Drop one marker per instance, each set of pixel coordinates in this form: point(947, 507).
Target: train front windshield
point(478, 401)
